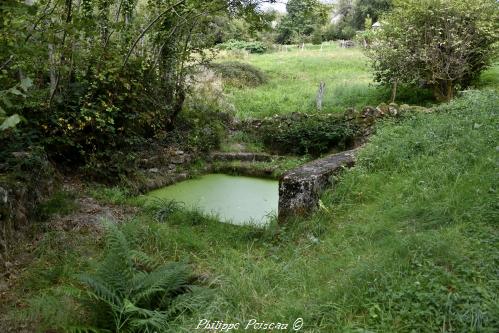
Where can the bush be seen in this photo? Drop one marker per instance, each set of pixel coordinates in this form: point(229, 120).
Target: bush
point(317, 37)
point(337, 31)
point(251, 47)
point(239, 74)
point(443, 44)
point(309, 134)
point(109, 166)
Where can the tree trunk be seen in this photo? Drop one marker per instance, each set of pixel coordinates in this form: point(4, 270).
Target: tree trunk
point(52, 69)
point(177, 107)
point(62, 59)
point(450, 91)
point(443, 91)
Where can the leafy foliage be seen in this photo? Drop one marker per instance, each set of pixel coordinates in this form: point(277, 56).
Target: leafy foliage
point(351, 16)
point(132, 292)
point(309, 134)
point(251, 47)
point(302, 19)
point(440, 43)
point(8, 119)
point(105, 74)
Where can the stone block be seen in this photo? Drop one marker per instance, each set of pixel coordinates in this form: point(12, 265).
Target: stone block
point(300, 188)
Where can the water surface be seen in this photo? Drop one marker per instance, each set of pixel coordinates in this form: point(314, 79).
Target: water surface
point(235, 199)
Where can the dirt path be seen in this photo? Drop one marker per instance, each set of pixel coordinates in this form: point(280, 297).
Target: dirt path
point(90, 212)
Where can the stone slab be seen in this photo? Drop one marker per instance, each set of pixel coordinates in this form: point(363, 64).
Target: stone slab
point(300, 188)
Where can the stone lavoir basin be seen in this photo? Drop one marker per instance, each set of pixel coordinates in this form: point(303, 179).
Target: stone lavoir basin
point(234, 199)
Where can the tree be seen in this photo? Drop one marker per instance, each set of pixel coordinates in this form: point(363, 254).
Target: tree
point(351, 15)
point(303, 17)
point(442, 43)
point(105, 73)
point(369, 8)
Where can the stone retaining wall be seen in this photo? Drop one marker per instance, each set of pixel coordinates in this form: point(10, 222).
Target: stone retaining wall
point(241, 156)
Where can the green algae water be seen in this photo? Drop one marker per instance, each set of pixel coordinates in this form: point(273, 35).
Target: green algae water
point(234, 199)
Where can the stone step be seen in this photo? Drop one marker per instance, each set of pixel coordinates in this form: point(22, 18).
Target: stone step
point(241, 156)
point(245, 168)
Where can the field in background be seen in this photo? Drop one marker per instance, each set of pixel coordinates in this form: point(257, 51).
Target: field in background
point(294, 76)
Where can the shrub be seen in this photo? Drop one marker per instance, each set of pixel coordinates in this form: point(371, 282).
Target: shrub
point(200, 132)
point(251, 47)
point(239, 74)
point(444, 44)
point(317, 37)
point(132, 292)
point(309, 134)
point(110, 166)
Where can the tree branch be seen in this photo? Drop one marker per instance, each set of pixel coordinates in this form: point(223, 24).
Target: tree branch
point(149, 26)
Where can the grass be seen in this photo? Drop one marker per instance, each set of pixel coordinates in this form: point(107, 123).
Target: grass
point(294, 77)
point(490, 77)
point(408, 242)
point(61, 202)
point(110, 195)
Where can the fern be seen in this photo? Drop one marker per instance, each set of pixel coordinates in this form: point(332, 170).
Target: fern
point(162, 209)
point(142, 259)
point(132, 292)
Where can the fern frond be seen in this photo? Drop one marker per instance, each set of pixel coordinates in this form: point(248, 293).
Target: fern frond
point(144, 318)
point(165, 279)
point(68, 291)
point(133, 291)
point(196, 298)
point(144, 260)
point(117, 273)
point(100, 291)
point(116, 240)
point(117, 268)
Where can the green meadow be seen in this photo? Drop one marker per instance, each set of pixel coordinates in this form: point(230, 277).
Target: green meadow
point(294, 77)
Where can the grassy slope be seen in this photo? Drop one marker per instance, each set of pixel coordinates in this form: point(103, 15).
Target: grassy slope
point(408, 244)
point(409, 241)
point(294, 78)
